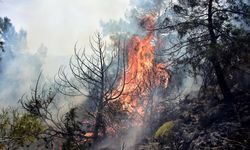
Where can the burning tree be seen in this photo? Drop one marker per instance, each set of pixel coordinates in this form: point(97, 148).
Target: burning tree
point(122, 99)
point(95, 77)
point(118, 94)
point(143, 74)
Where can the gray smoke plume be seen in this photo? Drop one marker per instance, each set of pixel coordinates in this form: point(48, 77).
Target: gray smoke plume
point(129, 25)
point(126, 28)
point(180, 85)
point(19, 68)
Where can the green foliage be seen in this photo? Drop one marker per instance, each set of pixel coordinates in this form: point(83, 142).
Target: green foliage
point(164, 130)
point(17, 129)
point(229, 24)
point(13, 40)
point(73, 128)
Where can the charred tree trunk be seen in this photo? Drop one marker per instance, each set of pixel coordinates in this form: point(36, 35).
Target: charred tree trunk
point(228, 97)
point(98, 122)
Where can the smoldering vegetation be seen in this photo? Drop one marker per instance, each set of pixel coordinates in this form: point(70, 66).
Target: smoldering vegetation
point(173, 75)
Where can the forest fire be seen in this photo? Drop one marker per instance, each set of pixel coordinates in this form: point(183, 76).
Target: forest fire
point(143, 74)
point(160, 74)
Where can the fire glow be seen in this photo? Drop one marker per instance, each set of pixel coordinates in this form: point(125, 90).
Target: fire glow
point(143, 74)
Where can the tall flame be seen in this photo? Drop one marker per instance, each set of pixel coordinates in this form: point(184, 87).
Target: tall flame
point(143, 74)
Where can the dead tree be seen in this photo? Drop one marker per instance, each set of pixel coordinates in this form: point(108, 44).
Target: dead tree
point(98, 75)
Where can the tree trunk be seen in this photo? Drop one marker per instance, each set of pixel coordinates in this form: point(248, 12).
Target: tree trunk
point(98, 123)
point(228, 97)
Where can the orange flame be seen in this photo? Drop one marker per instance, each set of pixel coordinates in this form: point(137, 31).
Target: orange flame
point(143, 73)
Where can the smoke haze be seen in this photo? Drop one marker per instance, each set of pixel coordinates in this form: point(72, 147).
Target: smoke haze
point(53, 27)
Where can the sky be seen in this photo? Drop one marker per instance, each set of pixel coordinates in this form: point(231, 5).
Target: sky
point(59, 24)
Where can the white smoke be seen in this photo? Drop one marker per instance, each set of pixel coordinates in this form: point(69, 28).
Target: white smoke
point(20, 68)
point(129, 26)
point(19, 71)
point(126, 27)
